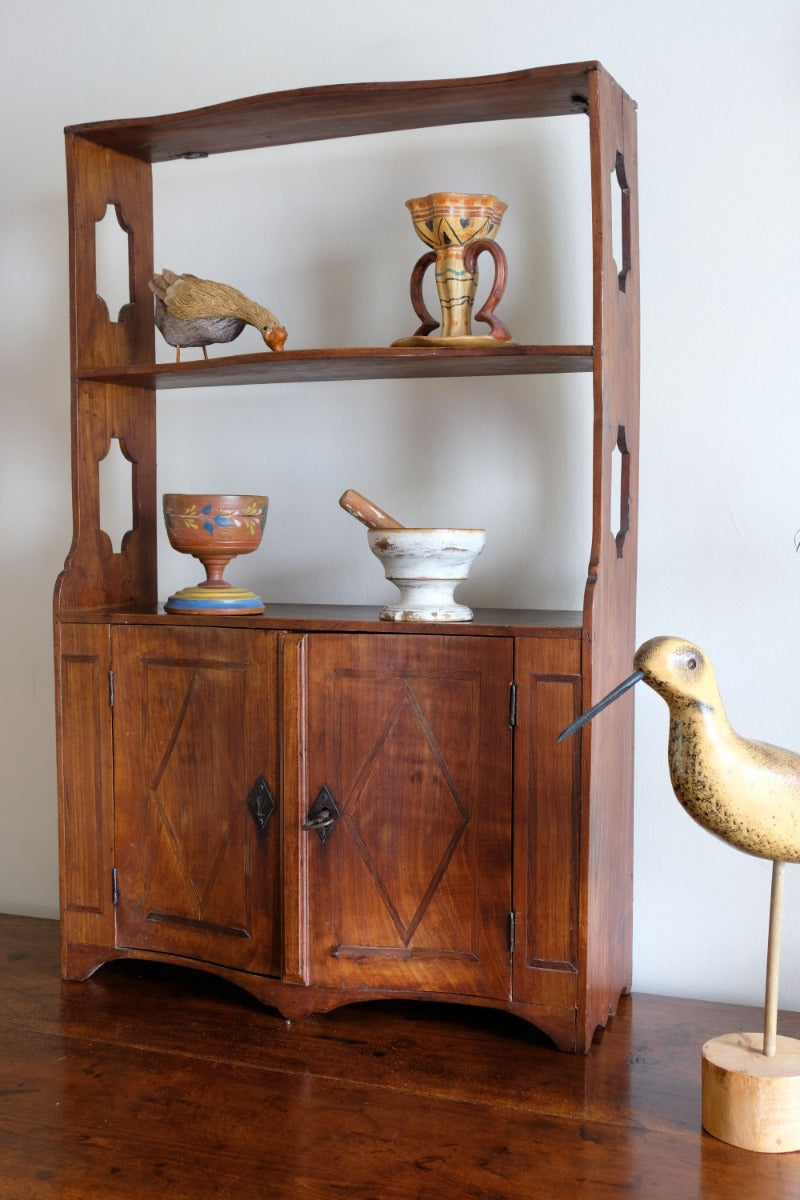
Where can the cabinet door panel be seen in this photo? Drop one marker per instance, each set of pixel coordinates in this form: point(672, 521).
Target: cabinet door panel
point(411, 888)
point(196, 762)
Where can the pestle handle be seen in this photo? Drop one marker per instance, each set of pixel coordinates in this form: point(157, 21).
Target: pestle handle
point(365, 511)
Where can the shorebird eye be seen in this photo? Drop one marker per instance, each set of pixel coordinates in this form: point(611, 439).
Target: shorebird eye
point(691, 664)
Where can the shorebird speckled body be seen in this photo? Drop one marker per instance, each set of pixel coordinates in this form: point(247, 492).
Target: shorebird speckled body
point(199, 312)
point(745, 792)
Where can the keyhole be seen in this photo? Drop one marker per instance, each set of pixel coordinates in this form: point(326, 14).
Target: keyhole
point(116, 494)
point(620, 221)
point(112, 262)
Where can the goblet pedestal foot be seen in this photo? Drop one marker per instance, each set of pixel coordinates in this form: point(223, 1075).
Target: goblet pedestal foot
point(202, 599)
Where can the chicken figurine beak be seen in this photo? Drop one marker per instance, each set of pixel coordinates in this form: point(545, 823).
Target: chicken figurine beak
point(275, 338)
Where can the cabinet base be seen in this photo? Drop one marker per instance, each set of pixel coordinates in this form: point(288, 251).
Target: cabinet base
point(296, 1002)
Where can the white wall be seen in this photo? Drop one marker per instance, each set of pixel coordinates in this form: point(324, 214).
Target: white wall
point(718, 88)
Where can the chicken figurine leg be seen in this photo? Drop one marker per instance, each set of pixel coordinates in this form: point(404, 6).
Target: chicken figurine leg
point(190, 311)
point(747, 793)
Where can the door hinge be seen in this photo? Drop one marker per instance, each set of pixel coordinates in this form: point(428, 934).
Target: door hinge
point(512, 705)
point(111, 688)
point(114, 887)
point(512, 931)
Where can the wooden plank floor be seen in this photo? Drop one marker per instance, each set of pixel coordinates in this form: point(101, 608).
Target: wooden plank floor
point(148, 1082)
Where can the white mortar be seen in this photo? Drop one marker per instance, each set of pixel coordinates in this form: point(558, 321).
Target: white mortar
point(426, 565)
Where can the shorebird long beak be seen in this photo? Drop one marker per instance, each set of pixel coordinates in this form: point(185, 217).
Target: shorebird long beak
point(601, 704)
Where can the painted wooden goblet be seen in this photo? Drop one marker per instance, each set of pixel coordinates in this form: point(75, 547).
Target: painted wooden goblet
point(214, 529)
point(458, 227)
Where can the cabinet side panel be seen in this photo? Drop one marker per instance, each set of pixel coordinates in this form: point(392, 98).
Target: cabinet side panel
point(96, 178)
point(546, 822)
point(83, 718)
point(610, 602)
point(94, 575)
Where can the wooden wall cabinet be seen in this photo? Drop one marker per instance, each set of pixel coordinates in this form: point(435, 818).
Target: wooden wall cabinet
point(312, 803)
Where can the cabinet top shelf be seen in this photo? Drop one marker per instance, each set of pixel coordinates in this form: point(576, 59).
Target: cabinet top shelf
point(345, 110)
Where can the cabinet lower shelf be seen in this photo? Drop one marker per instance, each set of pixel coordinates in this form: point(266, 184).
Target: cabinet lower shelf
point(503, 622)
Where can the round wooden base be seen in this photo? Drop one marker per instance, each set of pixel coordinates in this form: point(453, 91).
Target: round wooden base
point(749, 1100)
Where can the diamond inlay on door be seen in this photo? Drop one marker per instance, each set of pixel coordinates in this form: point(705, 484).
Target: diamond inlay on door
point(415, 873)
point(406, 748)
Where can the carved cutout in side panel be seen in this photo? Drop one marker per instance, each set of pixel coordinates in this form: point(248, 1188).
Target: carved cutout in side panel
point(116, 494)
point(112, 242)
point(621, 220)
point(546, 822)
point(412, 887)
point(620, 491)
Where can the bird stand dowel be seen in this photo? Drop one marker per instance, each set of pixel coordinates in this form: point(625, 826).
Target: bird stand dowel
point(773, 959)
point(751, 1081)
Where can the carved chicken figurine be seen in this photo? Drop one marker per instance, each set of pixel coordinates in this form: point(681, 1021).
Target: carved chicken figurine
point(198, 312)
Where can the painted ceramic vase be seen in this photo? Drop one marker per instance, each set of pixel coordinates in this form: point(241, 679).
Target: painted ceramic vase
point(426, 565)
point(214, 529)
point(457, 227)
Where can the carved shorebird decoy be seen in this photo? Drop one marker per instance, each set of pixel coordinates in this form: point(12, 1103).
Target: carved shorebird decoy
point(745, 792)
point(198, 312)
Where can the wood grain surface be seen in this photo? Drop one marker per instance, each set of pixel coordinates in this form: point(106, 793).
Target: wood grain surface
point(150, 1081)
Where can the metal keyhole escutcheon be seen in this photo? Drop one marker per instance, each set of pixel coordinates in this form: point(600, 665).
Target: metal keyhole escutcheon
point(322, 815)
point(261, 803)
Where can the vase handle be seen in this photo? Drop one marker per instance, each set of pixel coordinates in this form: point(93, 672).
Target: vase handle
point(486, 313)
point(418, 304)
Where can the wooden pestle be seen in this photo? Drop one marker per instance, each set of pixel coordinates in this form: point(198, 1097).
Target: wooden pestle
point(366, 512)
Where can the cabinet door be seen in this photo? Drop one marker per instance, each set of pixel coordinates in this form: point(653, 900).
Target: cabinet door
point(196, 774)
point(411, 887)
